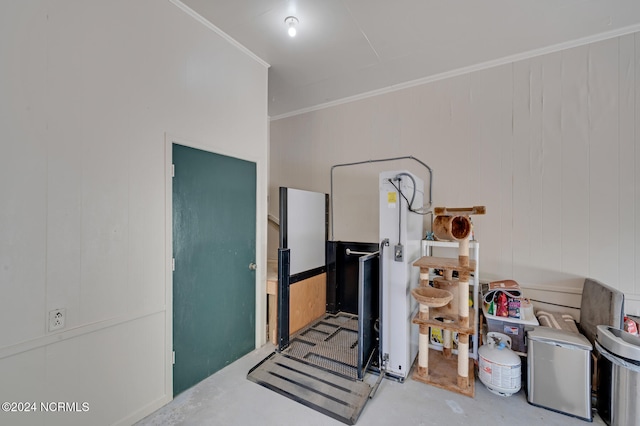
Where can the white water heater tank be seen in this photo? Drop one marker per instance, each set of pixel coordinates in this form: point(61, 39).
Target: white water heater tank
point(499, 366)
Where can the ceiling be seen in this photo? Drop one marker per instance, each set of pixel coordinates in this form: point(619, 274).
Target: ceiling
point(348, 48)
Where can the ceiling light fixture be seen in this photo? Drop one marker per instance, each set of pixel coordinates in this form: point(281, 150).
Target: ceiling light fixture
point(291, 21)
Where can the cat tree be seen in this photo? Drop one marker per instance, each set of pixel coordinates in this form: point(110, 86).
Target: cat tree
point(446, 305)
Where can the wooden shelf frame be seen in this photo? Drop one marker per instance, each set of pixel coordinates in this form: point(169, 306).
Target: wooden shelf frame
point(454, 326)
point(427, 248)
point(445, 263)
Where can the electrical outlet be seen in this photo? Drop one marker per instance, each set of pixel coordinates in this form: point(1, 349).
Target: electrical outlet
point(56, 319)
point(398, 253)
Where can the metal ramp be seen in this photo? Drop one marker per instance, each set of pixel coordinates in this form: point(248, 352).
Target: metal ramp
point(320, 369)
point(324, 391)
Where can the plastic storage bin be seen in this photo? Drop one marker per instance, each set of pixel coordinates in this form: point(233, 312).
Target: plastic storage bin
point(513, 327)
point(559, 371)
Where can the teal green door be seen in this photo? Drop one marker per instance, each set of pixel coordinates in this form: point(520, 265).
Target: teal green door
point(214, 235)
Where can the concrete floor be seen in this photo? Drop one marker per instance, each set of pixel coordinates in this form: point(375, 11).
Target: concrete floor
point(228, 398)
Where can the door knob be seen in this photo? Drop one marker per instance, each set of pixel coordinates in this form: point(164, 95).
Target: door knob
point(253, 266)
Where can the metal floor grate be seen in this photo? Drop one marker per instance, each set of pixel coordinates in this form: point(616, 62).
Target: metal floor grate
point(330, 343)
point(326, 392)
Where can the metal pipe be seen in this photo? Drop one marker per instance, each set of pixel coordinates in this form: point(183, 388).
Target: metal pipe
point(407, 157)
point(360, 253)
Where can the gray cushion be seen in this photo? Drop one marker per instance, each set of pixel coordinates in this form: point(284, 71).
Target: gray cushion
point(601, 305)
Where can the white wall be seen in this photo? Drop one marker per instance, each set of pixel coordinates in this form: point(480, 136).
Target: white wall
point(549, 144)
point(89, 91)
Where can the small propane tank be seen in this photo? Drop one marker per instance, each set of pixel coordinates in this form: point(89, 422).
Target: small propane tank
point(499, 366)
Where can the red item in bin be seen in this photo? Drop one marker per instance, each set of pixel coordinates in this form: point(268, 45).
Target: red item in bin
point(502, 306)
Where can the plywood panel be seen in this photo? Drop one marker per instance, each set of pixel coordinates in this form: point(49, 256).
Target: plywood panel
point(23, 172)
point(70, 365)
point(146, 246)
point(272, 301)
point(104, 230)
point(458, 139)
point(21, 381)
point(307, 301)
point(504, 145)
point(64, 233)
point(522, 202)
point(603, 161)
point(64, 176)
point(536, 167)
point(490, 133)
point(626, 198)
point(575, 162)
point(637, 169)
point(551, 201)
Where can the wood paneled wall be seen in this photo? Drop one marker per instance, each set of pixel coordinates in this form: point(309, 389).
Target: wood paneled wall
point(92, 95)
point(549, 144)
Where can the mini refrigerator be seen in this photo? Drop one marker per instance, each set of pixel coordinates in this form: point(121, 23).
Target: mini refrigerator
point(559, 371)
